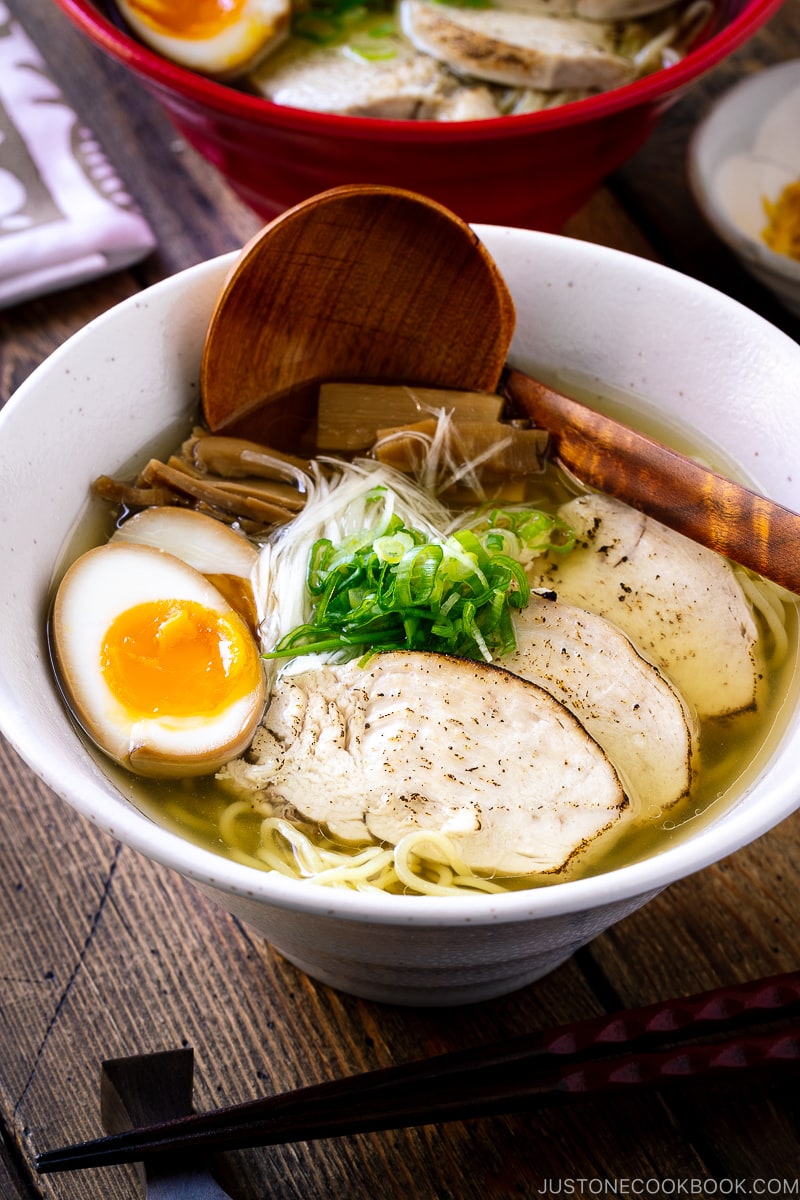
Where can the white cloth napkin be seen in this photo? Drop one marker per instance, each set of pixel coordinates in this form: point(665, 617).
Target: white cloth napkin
point(65, 217)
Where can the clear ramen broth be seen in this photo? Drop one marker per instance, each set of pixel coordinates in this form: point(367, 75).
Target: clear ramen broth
point(733, 749)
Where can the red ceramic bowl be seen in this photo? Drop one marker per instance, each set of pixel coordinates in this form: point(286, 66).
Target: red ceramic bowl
point(532, 171)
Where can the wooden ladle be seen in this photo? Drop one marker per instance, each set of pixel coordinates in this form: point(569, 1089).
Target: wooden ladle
point(380, 284)
point(360, 282)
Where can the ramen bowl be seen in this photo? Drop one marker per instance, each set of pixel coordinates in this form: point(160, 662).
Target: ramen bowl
point(532, 170)
point(588, 315)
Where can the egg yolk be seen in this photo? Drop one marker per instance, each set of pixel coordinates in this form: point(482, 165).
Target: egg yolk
point(177, 658)
point(196, 19)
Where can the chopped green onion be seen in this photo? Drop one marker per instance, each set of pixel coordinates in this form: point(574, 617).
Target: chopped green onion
point(320, 28)
point(380, 50)
point(331, 22)
point(404, 589)
point(466, 3)
point(392, 546)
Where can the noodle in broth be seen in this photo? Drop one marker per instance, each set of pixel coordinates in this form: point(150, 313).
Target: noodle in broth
point(250, 829)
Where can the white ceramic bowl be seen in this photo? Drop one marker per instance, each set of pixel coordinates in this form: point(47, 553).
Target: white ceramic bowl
point(744, 151)
point(112, 388)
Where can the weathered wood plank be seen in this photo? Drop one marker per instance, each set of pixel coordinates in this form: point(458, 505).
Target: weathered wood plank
point(137, 961)
point(151, 945)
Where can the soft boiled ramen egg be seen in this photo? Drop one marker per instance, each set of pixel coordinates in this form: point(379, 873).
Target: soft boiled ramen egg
point(225, 557)
point(217, 37)
point(160, 670)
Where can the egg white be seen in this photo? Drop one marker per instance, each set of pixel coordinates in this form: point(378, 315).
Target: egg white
point(96, 589)
point(246, 38)
point(199, 540)
point(225, 557)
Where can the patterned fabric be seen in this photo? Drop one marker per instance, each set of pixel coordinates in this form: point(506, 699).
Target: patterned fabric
point(65, 217)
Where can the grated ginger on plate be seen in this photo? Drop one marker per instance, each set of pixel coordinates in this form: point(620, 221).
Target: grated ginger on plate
point(782, 231)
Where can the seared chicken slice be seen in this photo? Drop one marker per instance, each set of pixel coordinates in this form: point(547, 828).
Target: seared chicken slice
point(466, 102)
point(419, 741)
point(520, 49)
point(680, 604)
point(624, 702)
point(407, 86)
point(592, 10)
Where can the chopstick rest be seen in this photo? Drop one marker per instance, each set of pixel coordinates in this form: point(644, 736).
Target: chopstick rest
point(650, 1046)
point(144, 1088)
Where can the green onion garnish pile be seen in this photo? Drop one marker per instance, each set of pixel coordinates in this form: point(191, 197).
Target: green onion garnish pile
point(355, 22)
point(337, 22)
point(406, 590)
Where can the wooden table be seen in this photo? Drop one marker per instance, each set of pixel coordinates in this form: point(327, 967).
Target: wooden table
point(104, 954)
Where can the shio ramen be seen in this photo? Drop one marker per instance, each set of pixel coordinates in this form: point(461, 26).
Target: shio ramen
point(415, 60)
point(422, 660)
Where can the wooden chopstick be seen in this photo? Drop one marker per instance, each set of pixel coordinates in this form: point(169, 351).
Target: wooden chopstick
point(648, 1046)
point(717, 512)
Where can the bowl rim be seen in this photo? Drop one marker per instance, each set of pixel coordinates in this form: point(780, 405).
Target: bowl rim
point(701, 182)
point(170, 77)
point(85, 794)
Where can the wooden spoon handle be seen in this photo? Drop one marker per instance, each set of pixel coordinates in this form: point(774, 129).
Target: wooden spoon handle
point(716, 512)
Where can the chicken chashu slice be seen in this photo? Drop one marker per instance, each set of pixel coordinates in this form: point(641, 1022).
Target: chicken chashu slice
point(591, 10)
point(520, 49)
point(622, 700)
point(421, 741)
point(680, 604)
point(408, 86)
